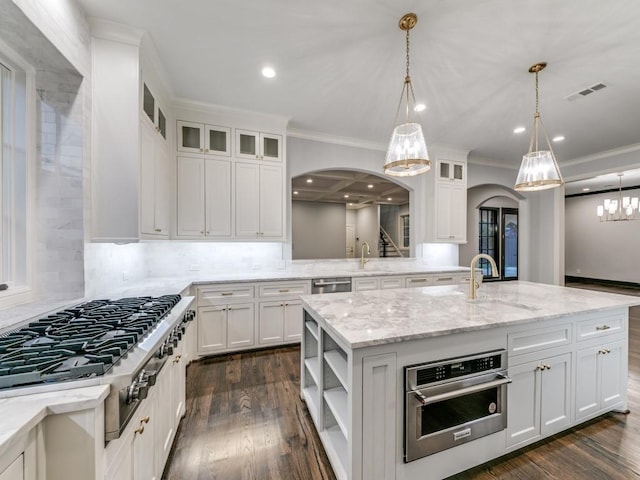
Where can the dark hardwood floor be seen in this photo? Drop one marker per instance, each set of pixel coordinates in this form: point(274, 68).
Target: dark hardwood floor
point(245, 420)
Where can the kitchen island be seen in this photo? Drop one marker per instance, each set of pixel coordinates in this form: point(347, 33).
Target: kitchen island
point(566, 352)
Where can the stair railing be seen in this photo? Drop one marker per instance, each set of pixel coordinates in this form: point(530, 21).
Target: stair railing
point(387, 237)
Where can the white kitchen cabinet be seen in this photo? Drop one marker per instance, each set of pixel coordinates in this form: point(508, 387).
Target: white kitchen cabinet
point(225, 327)
point(451, 213)
point(15, 471)
point(204, 197)
point(154, 183)
point(365, 283)
point(126, 97)
point(203, 139)
point(446, 190)
point(153, 113)
point(538, 399)
point(600, 381)
point(258, 145)
point(259, 201)
point(280, 322)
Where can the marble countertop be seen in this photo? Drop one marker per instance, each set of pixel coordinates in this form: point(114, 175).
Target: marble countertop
point(376, 317)
point(18, 415)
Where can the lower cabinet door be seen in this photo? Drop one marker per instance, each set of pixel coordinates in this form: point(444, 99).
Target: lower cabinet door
point(523, 403)
point(166, 391)
point(292, 320)
point(271, 322)
point(587, 397)
point(212, 329)
point(612, 374)
point(15, 471)
point(240, 325)
point(144, 440)
point(556, 394)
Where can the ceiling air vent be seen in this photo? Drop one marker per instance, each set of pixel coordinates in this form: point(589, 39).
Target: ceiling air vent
point(587, 91)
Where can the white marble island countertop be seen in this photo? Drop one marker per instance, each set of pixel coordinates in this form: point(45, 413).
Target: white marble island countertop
point(378, 317)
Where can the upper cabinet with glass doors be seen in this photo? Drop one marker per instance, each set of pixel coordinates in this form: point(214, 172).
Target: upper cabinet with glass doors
point(258, 145)
point(453, 171)
point(201, 138)
point(153, 112)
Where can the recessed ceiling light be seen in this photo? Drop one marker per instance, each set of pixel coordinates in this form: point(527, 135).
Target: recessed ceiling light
point(370, 185)
point(389, 199)
point(419, 107)
point(346, 196)
point(519, 130)
point(295, 193)
point(586, 189)
point(309, 180)
point(268, 72)
point(351, 204)
point(558, 138)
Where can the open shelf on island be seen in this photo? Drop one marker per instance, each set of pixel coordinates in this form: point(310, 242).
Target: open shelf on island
point(336, 400)
point(312, 328)
point(311, 398)
point(313, 367)
point(337, 450)
point(337, 361)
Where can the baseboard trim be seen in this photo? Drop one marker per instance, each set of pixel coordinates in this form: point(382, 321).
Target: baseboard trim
point(600, 281)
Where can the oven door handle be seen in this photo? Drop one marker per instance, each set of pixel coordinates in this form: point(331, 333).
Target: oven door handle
point(424, 400)
point(324, 284)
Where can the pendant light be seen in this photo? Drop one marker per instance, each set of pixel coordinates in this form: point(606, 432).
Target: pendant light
point(624, 208)
point(539, 169)
point(407, 153)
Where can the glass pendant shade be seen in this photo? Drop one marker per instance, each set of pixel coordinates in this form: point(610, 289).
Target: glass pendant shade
point(407, 153)
point(538, 171)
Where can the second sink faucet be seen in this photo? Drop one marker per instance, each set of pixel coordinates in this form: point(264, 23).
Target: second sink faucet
point(473, 284)
point(362, 259)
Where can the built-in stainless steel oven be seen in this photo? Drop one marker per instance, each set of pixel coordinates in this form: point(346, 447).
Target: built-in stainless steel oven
point(454, 401)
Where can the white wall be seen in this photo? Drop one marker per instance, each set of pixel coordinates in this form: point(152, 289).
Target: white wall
point(367, 230)
point(601, 250)
point(318, 230)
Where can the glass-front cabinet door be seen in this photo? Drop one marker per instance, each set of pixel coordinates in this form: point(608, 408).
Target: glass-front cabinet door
point(258, 145)
point(450, 171)
point(190, 137)
point(217, 140)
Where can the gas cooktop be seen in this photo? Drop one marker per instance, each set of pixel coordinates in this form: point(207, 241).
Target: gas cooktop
point(82, 341)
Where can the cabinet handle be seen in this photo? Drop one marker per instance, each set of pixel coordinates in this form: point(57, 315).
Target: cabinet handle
point(177, 359)
point(603, 327)
point(452, 236)
point(604, 351)
point(145, 419)
point(139, 430)
point(158, 229)
point(201, 232)
point(286, 304)
point(417, 279)
point(208, 232)
point(283, 290)
point(226, 294)
point(206, 151)
point(539, 367)
point(547, 367)
point(201, 149)
point(445, 279)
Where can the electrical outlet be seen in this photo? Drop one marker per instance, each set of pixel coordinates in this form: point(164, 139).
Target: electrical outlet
point(194, 267)
point(578, 270)
point(125, 276)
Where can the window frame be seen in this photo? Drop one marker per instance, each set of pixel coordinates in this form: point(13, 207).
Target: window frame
point(23, 77)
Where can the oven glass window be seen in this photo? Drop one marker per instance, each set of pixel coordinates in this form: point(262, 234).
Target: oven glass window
point(459, 410)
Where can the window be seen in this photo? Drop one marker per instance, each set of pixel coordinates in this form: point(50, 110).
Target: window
point(14, 278)
point(488, 241)
point(404, 219)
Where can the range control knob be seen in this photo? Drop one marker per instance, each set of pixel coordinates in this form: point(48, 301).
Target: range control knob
point(148, 376)
point(137, 391)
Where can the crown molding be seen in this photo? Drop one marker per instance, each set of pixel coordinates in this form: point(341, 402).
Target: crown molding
point(115, 31)
point(335, 139)
point(203, 107)
point(614, 152)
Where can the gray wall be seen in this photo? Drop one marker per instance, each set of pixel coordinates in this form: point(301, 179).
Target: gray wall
point(603, 250)
point(367, 224)
point(318, 230)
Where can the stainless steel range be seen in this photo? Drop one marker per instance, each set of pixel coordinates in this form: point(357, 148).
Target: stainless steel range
point(123, 343)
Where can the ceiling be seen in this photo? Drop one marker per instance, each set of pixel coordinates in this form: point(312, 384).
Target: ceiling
point(356, 189)
point(340, 66)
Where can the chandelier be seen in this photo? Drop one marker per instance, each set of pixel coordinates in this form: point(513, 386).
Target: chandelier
point(539, 169)
point(407, 153)
point(622, 208)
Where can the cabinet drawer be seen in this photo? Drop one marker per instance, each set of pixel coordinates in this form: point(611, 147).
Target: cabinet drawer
point(418, 281)
point(528, 341)
point(446, 279)
point(599, 327)
point(391, 282)
point(283, 289)
point(224, 293)
point(362, 284)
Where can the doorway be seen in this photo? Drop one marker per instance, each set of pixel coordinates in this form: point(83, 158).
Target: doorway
point(498, 238)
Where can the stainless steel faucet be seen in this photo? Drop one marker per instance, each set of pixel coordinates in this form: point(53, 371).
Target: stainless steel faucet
point(473, 285)
point(362, 259)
